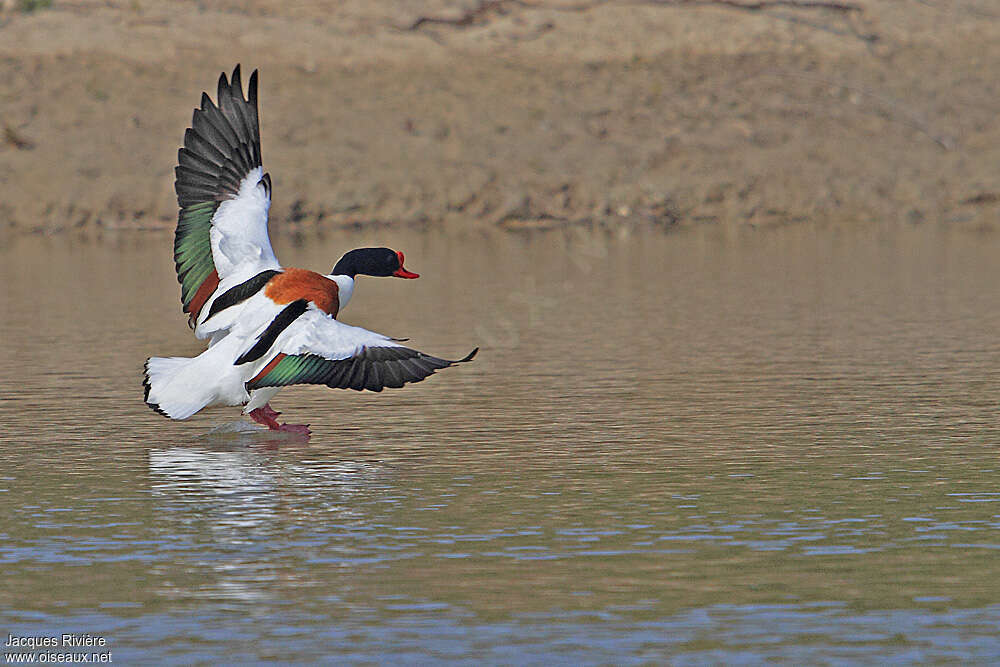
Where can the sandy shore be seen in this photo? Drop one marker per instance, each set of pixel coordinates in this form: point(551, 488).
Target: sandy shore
point(521, 114)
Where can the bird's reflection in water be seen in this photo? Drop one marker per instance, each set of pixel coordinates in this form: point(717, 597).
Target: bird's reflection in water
point(243, 509)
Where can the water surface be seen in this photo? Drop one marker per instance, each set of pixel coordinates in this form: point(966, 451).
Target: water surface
point(699, 446)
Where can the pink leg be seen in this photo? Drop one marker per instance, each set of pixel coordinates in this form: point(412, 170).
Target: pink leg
point(267, 416)
point(268, 411)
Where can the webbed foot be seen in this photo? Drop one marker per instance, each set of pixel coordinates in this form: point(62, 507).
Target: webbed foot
point(267, 416)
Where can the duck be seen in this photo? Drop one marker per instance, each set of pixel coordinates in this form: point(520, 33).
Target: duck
point(267, 326)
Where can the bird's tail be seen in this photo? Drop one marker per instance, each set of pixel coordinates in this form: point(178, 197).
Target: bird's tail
point(172, 389)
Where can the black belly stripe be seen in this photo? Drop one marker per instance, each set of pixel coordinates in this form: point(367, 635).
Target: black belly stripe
point(241, 292)
point(270, 334)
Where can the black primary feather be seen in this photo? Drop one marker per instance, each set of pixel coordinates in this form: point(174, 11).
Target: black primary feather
point(373, 368)
point(222, 145)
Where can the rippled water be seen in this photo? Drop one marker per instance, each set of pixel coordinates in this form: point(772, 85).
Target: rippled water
point(699, 446)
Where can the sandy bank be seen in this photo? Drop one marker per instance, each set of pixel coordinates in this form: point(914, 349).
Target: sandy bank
point(542, 113)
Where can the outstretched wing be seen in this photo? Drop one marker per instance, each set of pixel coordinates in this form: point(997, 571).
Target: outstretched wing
point(223, 194)
point(317, 349)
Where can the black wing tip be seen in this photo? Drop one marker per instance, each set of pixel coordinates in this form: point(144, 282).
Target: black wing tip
point(235, 85)
point(252, 88)
point(413, 366)
point(222, 86)
point(221, 145)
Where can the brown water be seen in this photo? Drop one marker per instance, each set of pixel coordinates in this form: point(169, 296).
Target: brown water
point(698, 446)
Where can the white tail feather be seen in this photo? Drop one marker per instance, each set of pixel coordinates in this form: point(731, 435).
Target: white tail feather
point(178, 387)
point(169, 389)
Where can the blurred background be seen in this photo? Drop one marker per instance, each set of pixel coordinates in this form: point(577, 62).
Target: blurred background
point(512, 112)
point(731, 266)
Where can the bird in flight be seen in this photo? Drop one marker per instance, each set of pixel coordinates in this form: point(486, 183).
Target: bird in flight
point(267, 326)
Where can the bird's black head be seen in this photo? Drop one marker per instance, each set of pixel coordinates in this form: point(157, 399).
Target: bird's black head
point(372, 262)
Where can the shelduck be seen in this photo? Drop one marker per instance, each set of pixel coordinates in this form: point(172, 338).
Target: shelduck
point(267, 326)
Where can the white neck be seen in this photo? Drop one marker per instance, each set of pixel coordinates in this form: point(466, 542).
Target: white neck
point(345, 287)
